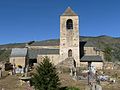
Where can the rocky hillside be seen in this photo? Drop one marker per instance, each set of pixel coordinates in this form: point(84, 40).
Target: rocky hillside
point(108, 44)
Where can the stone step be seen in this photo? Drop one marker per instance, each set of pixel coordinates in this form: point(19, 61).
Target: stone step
point(68, 62)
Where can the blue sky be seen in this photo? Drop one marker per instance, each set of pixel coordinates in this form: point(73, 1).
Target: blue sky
point(26, 20)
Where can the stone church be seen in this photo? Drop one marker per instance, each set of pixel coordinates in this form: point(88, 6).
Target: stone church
point(69, 46)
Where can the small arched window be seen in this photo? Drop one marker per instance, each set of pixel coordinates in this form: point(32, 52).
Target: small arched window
point(70, 53)
point(69, 24)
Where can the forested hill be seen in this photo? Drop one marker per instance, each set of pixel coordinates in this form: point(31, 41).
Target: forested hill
point(97, 41)
point(111, 45)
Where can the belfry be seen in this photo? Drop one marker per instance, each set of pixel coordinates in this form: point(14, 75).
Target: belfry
point(69, 35)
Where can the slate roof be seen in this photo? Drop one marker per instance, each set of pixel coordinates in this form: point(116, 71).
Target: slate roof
point(18, 52)
point(69, 12)
point(89, 44)
point(32, 53)
point(92, 58)
point(46, 43)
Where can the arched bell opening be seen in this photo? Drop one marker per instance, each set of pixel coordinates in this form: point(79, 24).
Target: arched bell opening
point(69, 24)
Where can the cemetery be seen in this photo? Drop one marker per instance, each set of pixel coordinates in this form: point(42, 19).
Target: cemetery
point(69, 64)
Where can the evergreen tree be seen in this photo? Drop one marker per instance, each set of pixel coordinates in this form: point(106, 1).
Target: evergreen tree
point(46, 77)
point(116, 52)
point(108, 53)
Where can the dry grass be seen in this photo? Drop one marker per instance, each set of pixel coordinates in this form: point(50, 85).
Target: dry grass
point(67, 81)
point(11, 82)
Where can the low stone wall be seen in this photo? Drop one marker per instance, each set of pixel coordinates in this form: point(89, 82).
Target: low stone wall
point(97, 65)
point(53, 57)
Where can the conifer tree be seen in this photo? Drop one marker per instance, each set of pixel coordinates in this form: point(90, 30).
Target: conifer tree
point(46, 77)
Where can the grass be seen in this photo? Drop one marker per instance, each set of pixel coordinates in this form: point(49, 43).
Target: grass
point(72, 88)
point(69, 88)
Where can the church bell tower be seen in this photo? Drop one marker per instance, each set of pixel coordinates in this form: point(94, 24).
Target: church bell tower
point(69, 36)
